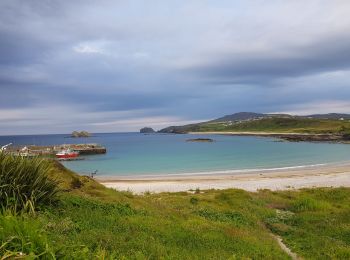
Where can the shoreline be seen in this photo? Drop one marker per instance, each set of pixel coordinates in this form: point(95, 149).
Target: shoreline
point(330, 175)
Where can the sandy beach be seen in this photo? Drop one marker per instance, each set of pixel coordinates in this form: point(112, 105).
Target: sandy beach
point(332, 175)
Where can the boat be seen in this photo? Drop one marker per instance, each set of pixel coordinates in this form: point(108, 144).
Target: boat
point(67, 154)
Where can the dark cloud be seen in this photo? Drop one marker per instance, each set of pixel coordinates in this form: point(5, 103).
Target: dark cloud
point(330, 54)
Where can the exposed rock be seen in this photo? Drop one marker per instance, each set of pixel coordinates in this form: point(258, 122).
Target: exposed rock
point(313, 138)
point(208, 140)
point(80, 134)
point(147, 130)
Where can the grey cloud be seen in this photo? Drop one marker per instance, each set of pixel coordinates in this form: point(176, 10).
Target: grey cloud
point(329, 54)
point(189, 59)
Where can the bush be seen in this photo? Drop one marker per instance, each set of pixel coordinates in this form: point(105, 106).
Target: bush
point(24, 183)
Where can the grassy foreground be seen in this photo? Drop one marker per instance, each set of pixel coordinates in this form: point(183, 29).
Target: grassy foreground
point(93, 222)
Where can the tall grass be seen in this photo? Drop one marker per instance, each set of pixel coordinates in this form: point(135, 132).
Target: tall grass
point(24, 184)
point(23, 237)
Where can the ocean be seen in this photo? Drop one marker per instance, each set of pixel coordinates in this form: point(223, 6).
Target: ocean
point(130, 154)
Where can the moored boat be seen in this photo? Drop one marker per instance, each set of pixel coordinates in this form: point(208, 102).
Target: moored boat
point(67, 154)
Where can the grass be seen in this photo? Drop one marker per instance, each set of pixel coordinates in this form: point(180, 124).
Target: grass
point(275, 124)
point(24, 183)
point(317, 225)
point(93, 222)
point(294, 125)
point(23, 236)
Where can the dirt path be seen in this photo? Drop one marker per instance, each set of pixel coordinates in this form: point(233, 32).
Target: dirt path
point(285, 248)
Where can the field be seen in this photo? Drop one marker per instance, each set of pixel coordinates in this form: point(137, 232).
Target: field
point(92, 222)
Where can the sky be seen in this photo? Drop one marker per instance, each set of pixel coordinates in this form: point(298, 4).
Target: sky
point(117, 66)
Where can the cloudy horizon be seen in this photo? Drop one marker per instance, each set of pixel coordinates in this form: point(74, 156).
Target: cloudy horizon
point(117, 66)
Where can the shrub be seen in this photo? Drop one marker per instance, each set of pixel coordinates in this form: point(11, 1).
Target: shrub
point(24, 183)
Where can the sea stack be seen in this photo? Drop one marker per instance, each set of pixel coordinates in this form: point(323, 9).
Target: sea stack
point(147, 130)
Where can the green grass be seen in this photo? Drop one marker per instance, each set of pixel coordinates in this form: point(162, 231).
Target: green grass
point(24, 236)
point(275, 124)
point(318, 226)
point(24, 183)
point(295, 125)
point(93, 222)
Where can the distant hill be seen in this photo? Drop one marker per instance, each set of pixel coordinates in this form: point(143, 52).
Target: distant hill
point(239, 116)
point(330, 116)
point(249, 121)
point(252, 115)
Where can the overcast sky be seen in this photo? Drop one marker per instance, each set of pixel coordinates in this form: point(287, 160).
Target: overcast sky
point(114, 66)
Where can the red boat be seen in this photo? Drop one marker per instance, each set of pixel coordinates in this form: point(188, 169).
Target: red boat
point(67, 154)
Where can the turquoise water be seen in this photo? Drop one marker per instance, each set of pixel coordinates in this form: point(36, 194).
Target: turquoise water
point(138, 154)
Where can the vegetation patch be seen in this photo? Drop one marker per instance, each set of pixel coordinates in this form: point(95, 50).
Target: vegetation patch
point(309, 204)
point(235, 218)
point(25, 183)
point(270, 124)
point(90, 221)
point(23, 237)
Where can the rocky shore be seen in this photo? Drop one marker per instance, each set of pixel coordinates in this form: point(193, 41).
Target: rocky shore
point(315, 138)
point(291, 137)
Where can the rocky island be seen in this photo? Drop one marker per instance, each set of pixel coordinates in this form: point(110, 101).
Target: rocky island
point(147, 130)
point(77, 134)
point(207, 140)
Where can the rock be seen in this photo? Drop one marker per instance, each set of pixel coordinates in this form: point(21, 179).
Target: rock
point(147, 130)
point(313, 138)
point(200, 140)
point(80, 134)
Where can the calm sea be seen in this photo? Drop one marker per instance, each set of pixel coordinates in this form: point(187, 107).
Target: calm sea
point(139, 154)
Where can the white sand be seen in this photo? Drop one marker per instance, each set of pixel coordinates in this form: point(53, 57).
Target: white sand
point(319, 176)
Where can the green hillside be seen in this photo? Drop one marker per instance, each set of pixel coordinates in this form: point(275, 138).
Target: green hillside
point(92, 222)
point(273, 124)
